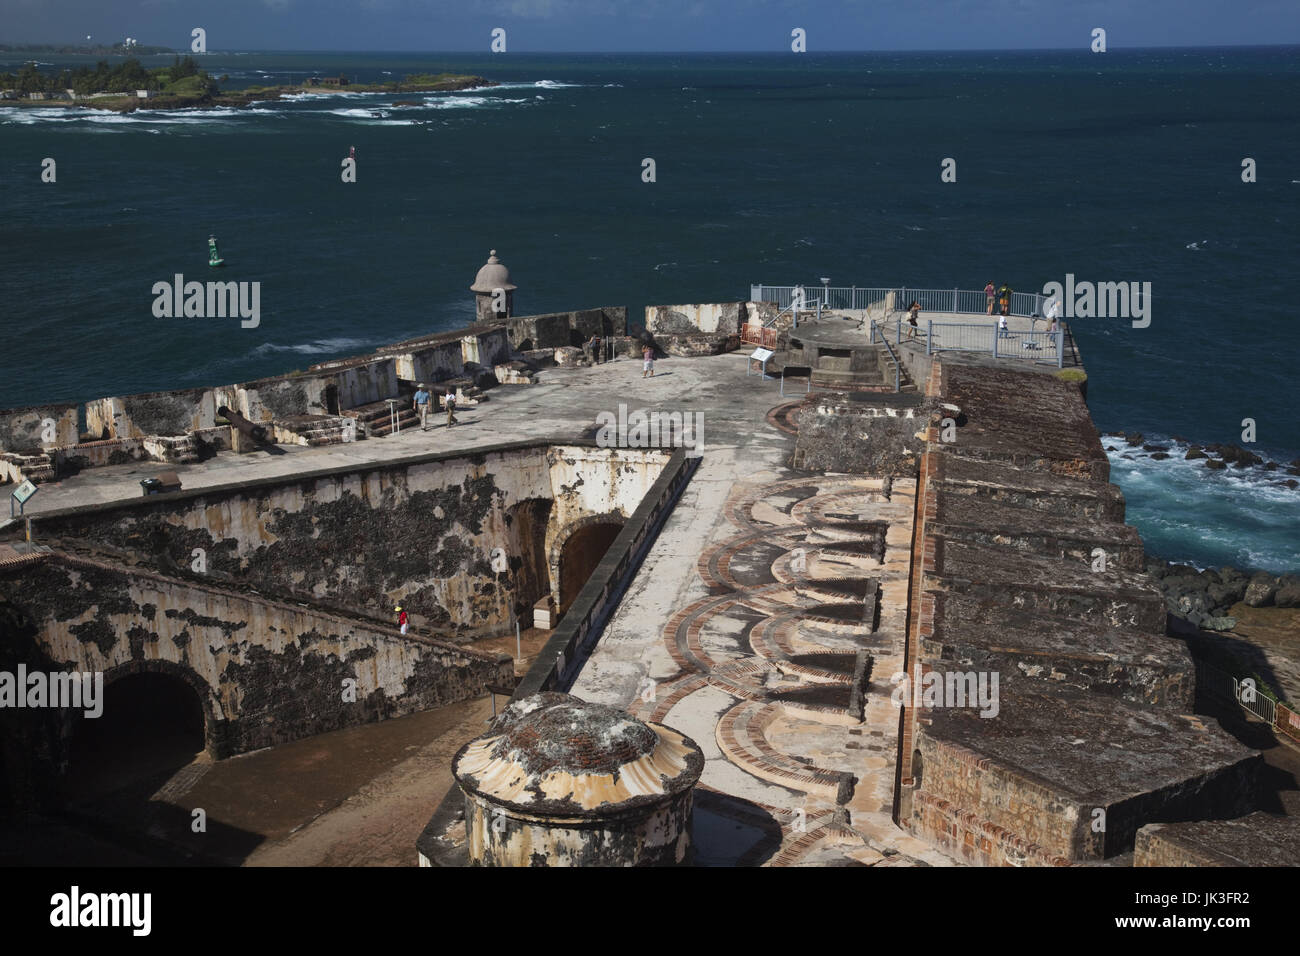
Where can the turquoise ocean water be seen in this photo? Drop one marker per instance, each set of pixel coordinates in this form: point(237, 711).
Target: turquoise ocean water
point(777, 169)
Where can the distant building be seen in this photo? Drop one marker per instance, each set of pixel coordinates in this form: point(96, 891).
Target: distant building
point(146, 94)
point(327, 81)
point(8, 94)
point(36, 96)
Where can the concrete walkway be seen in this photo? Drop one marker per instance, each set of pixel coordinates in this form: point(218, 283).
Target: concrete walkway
point(563, 404)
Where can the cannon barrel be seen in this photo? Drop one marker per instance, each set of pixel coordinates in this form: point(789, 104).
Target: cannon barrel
point(253, 431)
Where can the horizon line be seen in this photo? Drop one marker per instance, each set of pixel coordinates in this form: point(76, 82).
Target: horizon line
point(666, 52)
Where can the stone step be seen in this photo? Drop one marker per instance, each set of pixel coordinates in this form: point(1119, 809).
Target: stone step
point(832, 377)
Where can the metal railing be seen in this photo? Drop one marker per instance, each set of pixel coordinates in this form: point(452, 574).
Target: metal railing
point(960, 301)
point(1226, 687)
point(898, 362)
point(1044, 347)
point(833, 297)
point(796, 306)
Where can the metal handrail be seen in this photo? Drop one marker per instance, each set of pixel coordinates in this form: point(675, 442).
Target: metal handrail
point(898, 363)
point(957, 301)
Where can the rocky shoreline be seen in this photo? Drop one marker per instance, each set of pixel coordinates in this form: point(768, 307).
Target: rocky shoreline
point(1216, 457)
point(1203, 599)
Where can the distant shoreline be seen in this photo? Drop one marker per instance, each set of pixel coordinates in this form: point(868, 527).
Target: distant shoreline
point(241, 99)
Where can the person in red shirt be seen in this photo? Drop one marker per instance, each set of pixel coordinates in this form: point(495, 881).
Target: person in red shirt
point(402, 619)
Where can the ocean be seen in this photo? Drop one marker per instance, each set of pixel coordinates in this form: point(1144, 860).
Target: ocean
point(1123, 166)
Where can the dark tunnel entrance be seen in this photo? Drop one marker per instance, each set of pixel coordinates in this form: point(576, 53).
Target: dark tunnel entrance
point(150, 727)
point(580, 555)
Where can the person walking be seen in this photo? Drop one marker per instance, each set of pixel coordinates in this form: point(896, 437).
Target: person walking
point(421, 404)
point(450, 401)
point(402, 620)
point(1004, 299)
point(647, 361)
point(990, 294)
point(913, 311)
point(592, 348)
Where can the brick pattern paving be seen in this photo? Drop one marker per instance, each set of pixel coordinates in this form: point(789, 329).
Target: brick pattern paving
point(717, 644)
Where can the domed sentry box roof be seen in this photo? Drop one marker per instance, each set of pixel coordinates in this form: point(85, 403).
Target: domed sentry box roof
point(492, 276)
point(561, 782)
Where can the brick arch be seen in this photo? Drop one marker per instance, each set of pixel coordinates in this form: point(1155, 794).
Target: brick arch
point(562, 590)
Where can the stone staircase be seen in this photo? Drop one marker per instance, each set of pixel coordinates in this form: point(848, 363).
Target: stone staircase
point(887, 368)
point(35, 468)
point(316, 430)
point(374, 419)
point(176, 449)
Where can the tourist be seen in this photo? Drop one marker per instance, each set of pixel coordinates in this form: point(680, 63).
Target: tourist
point(450, 401)
point(402, 620)
point(1004, 299)
point(990, 295)
point(1054, 315)
point(1002, 325)
point(592, 348)
point(913, 311)
point(647, 360)
point(421, 404)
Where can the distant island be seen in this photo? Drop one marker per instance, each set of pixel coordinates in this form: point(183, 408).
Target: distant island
point(98, 49)
point(128, 86)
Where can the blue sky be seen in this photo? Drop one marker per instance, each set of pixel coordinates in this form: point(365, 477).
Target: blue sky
point(653, 25)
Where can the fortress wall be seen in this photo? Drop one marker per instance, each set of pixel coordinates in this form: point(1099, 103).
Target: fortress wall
point(419, 532)
point(368, 382)
point(1258, 839)
point(271, 398)
point(23, 429)
point(1092, 737)
point(491, 346)
point(724, 318)
point(177, 412)
point(432, 364)
point(267, 672)
point(560, 329)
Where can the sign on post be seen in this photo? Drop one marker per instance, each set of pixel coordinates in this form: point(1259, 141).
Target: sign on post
point(760, 356)
point(22, 494)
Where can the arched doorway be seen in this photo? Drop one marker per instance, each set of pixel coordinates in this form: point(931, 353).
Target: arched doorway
point(580, 553)
point(527, 522)
point(151, 725)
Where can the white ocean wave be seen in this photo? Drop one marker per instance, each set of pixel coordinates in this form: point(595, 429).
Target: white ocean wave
point(314, 348)
point(469, 102)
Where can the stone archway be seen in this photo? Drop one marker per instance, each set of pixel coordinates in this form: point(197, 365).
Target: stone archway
point(156, 717)
point(576, 552)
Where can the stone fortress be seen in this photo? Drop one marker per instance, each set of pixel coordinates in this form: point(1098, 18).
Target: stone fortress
point(867, 627)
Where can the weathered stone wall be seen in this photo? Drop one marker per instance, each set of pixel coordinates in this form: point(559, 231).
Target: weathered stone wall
point(113, 451)
point(1024, 571)
point(156, 413)
point(560, 329)
point(877, 436)
point(725, 318)
point(1258, 839)
point(1083, 803)
point(432, 364)
point(23, 429)
point(270, 398)
point(266, 672)
point(653, 836)
point(419, 532)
